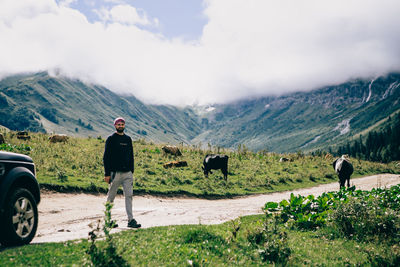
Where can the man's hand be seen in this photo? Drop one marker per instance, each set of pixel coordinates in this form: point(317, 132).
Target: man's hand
point(107, 179)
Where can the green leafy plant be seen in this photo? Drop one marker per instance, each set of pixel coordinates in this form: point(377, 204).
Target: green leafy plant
point(271, 241)
point(236, 225)
point(22, 148)
point(390, 257)
point(305, 212)
point(364, 219)
point(351, 213)
point(104, 254)
point(61, 175)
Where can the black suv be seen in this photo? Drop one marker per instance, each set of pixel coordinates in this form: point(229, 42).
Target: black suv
point(19, 197)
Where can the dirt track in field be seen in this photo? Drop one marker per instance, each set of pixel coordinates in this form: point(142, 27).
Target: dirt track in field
point(65, 217)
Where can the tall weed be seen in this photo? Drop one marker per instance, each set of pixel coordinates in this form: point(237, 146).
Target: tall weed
point(105, 254)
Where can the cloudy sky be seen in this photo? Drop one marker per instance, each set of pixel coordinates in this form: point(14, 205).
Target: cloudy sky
point(201, 51)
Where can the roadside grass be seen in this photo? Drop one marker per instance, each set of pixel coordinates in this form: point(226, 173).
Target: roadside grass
point(77, 166)
point(200, 245)
point(256, 240)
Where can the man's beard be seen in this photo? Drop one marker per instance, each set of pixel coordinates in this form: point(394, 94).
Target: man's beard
point(120, 130)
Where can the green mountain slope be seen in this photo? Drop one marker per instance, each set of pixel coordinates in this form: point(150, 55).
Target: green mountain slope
point(305, 120)
point(55, 104)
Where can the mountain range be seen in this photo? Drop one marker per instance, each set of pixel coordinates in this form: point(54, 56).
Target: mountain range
point(307, 121)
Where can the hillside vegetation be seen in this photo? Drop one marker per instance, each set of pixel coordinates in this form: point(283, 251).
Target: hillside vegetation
point(323, 117)
point(316, 119)
point(77, 165)
point(382, 145)
point(41, 103)
point(346, 227)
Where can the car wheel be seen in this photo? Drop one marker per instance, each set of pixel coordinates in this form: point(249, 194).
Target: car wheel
point(21, 218)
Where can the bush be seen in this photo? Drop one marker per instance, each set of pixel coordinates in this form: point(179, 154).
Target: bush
point(61, 175)
point(390, 257)
point(271, 241)
point(304, 212)
point(365, 219)
point(104, 255)
point(22, 148)
point(50, 114)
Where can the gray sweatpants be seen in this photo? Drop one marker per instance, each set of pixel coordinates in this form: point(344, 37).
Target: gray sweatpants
point(126, 180)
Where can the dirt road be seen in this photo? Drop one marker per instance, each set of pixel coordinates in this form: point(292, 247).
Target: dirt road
point(67, 216)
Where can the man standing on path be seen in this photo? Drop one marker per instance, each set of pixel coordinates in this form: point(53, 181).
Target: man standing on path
point(119, 166)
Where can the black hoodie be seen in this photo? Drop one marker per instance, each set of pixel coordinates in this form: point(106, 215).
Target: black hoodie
point(118, 154)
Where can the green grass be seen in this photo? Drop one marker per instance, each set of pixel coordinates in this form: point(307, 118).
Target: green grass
point(200, 245)
point(77, 165)
point(241, 242)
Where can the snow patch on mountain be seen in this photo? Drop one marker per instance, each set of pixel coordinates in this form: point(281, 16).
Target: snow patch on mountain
point(203, 110)
point(312, 141)
point(390, 89)
point(343, 127)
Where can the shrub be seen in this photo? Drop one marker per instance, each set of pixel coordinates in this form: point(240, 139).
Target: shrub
point(271, 241)
point(329, 176)
point(61, 175)
point(365, 219)
point(390, 257)
point(303, 211)
point(104, 255)
point(22, 148)
point(282, 180)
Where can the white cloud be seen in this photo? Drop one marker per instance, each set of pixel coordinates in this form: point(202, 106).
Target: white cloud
point(291, 45)
point(125, 14)
point(67, 3)
point(248, 48)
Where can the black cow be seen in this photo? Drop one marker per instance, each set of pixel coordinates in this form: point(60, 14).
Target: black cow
point(344, 169)
point(215, 162)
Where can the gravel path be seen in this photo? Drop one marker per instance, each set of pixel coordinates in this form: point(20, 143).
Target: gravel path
point(65, 217)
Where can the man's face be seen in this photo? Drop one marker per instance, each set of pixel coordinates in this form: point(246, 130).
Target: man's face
point(120, 127)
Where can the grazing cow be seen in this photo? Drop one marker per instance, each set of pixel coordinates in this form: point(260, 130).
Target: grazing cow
point(58, 138)
point(171, 164)
point(215, 162)
point(283, 159)
point(2, 140)
point(344, 169)
point(23, 135)
point(173, 150)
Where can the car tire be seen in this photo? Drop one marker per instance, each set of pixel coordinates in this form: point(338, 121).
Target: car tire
point(21, 218)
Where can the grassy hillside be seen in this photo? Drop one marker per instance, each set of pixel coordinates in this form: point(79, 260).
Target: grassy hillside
point(56, 104)
point(304, 238)
point(305, 121)
point(77, 165)
point(382, 145)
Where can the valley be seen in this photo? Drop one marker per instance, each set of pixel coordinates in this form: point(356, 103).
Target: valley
point(318, 119)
